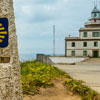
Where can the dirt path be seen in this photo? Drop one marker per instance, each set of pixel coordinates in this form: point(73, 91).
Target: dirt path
point(91, 61)
point(56, 93)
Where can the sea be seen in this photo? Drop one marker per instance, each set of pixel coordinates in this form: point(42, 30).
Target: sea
point(25, 57)
point(32, 56)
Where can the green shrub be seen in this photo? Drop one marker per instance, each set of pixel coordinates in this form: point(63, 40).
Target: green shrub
point(85, 92)
point(35, 75)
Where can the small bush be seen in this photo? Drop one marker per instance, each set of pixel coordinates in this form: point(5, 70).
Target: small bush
point(77, 87)
point(35, 75)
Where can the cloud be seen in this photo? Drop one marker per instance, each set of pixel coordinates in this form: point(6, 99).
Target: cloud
point(35, 20)
point(45, 1)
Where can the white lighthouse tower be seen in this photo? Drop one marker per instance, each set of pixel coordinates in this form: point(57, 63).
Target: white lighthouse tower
point(88, 42)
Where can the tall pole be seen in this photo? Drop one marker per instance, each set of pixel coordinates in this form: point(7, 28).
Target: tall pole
point(53, 40)
point(99, 4)
point(94, 2)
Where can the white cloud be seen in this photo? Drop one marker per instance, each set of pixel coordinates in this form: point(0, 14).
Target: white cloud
point(35, 18)
point(27, 9)
point(65, 0)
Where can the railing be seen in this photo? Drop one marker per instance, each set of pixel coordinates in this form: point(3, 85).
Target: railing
point(92, 23)
point(57, 55)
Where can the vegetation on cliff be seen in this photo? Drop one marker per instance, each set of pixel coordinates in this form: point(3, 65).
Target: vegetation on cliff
point(77, 87)
point(35, 75)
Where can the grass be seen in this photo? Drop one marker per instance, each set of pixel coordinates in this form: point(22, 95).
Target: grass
point(77, 87)
point(35, 75)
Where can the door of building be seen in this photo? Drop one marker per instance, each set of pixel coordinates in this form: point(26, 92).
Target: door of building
point(95, 54)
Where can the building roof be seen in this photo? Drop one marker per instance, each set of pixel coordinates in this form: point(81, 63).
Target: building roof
point(79, 39)
point(68, 38)
point(89, 29)
point(95, 10)
point(72, 38)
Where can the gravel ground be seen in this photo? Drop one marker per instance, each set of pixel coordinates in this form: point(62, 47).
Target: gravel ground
point(88, 71)
point(56, 93)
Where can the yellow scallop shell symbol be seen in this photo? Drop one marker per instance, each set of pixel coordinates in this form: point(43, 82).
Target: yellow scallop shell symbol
point(2, 33)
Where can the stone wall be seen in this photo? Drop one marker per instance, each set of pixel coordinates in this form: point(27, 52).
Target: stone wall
point(10, 84)
point(67, 60)
point(44, 59)
point(59, 60)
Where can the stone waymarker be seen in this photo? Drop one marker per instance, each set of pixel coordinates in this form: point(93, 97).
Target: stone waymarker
point(10, 85)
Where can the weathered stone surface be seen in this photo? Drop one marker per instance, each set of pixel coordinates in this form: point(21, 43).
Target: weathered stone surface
point(10, 84)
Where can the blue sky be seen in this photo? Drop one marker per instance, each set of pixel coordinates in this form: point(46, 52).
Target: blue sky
point(35, 20)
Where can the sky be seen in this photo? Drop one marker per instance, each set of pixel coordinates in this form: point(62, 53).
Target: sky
point(35, 19)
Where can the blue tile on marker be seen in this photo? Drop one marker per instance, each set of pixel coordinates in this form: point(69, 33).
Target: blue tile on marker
point(3, 32)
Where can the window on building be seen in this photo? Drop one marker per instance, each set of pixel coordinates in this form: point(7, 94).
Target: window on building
point(73, 53)
point(84, 53)
point(85, 44)
point(95, 34)
point(95, 44)
point(85, 34)
point(73, 44)
point(95, 15)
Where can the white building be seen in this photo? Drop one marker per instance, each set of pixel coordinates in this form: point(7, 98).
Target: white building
point(88, 42)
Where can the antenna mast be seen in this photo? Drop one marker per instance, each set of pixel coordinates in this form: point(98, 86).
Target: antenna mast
point(95, 3)
point(99, 4)
point(53, 40)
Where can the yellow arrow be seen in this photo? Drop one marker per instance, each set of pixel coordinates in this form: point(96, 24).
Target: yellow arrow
point(4, 32)
point(2, 28)
point(2, 36)
point(1, 41)
point(0, 24)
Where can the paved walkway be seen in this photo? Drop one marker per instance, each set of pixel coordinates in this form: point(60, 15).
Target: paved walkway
point(88, 71)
